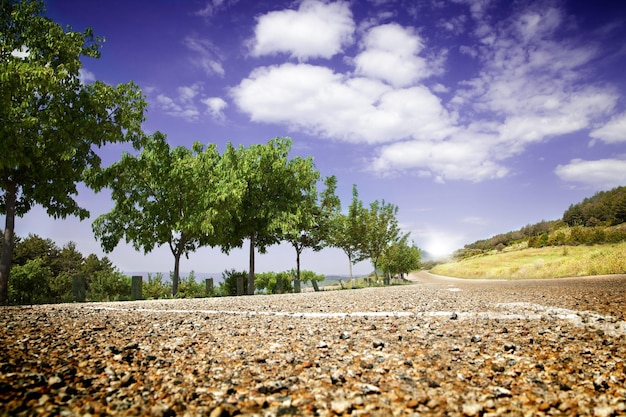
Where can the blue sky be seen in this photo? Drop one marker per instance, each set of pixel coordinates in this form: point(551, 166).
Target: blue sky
point(475, 117)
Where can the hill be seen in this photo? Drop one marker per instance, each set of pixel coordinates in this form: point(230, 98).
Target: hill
point(596, 220)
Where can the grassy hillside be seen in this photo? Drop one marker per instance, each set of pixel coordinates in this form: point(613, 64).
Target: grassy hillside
point(546, 262)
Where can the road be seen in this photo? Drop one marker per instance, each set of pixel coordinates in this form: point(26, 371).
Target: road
point(441, 346)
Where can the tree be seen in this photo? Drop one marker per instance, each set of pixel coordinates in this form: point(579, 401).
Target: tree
point(164, 196)
point(400, 258)
point(309, 225)
point(50, 123)
point(348, 230)
point(269, 186)
point(381, 231)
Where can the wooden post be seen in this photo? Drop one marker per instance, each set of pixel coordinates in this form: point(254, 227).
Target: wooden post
point(279, 285)
point(79, 288)
point(208, 286)
point(136, 288)
point(239, 285)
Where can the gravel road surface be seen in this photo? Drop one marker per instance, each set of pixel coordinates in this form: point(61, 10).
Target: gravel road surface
point(439, 346)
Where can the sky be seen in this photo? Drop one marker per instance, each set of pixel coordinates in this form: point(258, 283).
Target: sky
point(474, 117)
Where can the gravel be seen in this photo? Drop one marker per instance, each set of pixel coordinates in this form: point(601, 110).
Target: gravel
point(438, 347)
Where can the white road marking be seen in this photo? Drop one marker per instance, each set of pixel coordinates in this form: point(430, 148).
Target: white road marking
point(512, 311)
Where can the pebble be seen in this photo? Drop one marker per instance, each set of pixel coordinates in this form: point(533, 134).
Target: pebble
point(169, 358)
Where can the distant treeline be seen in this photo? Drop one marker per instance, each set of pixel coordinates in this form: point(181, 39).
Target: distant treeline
point(595, 220)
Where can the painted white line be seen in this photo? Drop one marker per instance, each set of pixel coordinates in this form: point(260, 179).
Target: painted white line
point(512, 311)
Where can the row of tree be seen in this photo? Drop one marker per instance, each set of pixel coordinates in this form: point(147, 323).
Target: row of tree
point(53, 124)
point(605, 208)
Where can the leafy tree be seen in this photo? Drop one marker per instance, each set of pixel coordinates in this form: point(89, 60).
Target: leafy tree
point(30, 283)
point(269, 186)
point(381, 231)
point(348, 230)
point(401, 258)
point(164, 196)
point(51, 124)
point(109, 286)
point(309, 225)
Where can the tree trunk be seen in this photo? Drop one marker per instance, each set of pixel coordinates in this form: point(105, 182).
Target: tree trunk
point(296, 282)
point(350, 262)
point(7, 241)
point(176, 276)
point(251, 272)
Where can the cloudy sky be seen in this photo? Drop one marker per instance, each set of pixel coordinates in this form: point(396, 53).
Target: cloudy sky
point(475, 117)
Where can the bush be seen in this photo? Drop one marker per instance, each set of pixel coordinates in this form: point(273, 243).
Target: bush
point(228, 286)
point(109, 286)
point(29, 283)
point(155, 288)
point(188, 287)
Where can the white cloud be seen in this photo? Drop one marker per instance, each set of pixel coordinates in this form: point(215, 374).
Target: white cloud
point(612, 132)
point(86, 76)
point(601, 174)
point(315, 30)
point(183, 105)
point(531, 85)
point(467, 159)
point(205, 55)
point(338, 106)
point(215, 107)
point(212, 7)
point(390, 54)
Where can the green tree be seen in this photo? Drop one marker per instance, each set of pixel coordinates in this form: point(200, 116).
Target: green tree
point(348, 230)
point(269, 186)
point(164, 196)
point(309, 225)
point(30, 283)
point(51, 123)
point(400, 258)
point(381, 231)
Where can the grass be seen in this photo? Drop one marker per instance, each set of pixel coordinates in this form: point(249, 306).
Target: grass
point(547, 262)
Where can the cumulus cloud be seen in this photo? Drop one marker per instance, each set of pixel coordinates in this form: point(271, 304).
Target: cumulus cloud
point(601, 174)
point(612, 132)
point(391, 54)
point(530, 87)
point(315, 30)
point(333, 105)
point(215, 107)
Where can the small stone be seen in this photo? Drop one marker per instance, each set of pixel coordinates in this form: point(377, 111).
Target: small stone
point(509, 347)
point(55, 382)
point(344, 336)
point(501, 392)
point(378, 344)
point(476, 339)
point(472, 409)
point(162, 410)
point(322, 345)
point(454, 316)
point(340, 406)
point(370, 389)
point(338, 376)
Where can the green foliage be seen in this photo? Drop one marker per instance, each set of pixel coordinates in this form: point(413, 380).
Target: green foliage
point(381, 230)
point(605, 208)
point(30, 283)
point(400, 258)
point(52, 124)
point(164, 196)
point(190, 288)
point(154, 287)
point(228, 286)
point(348, 230)
point(109, 286)
point(270, 188)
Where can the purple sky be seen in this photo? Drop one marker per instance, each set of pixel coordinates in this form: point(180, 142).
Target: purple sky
point(475, 117)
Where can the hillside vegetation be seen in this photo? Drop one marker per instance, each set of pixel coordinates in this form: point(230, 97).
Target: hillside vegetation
point(590, 239)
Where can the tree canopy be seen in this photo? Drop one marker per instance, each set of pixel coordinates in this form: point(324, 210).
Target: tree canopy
point(174, 196)
point(51, 124)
